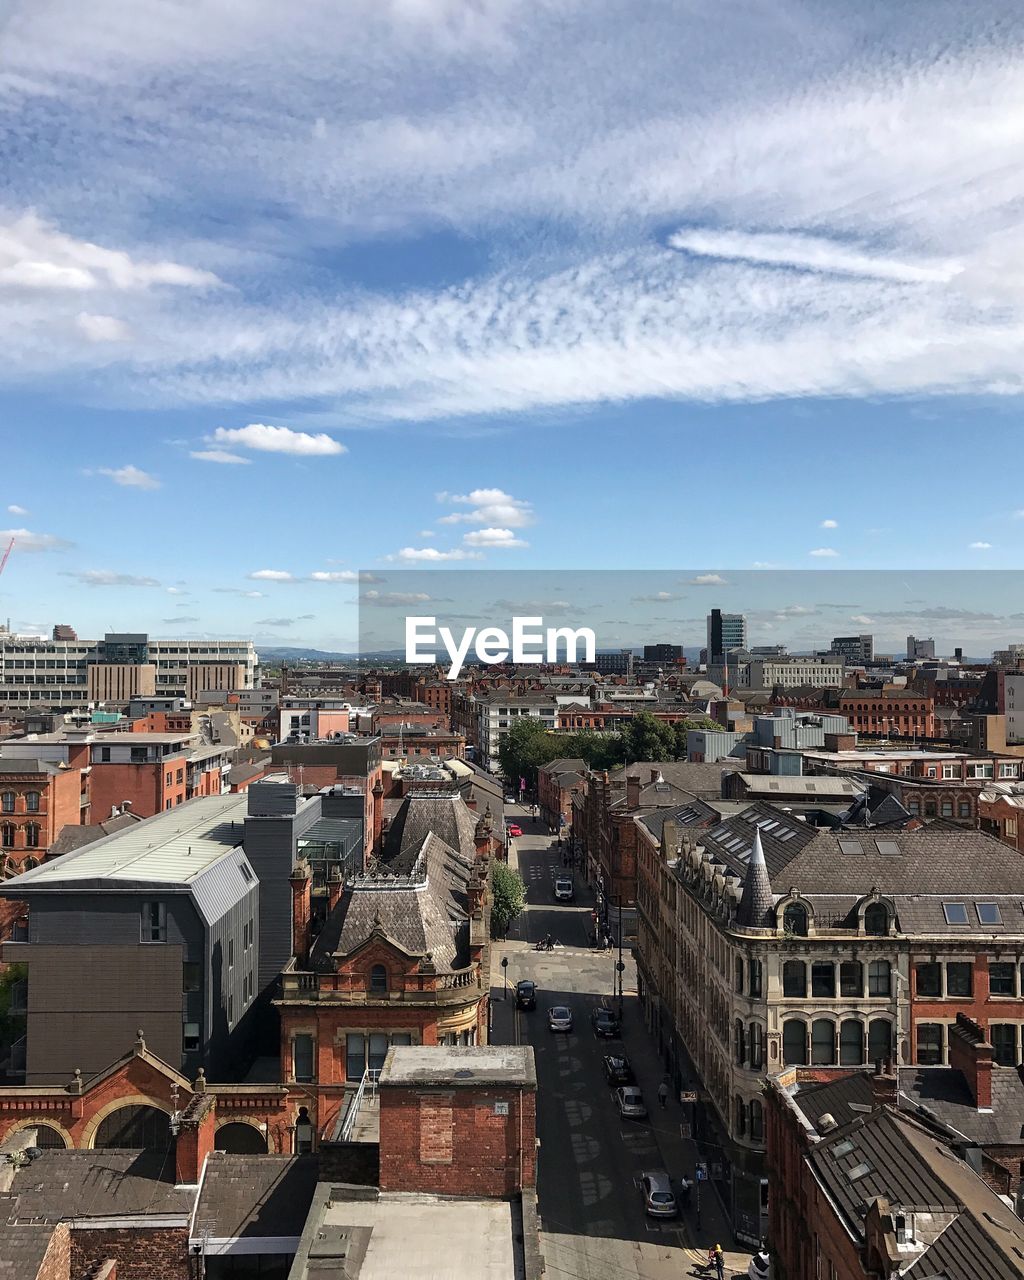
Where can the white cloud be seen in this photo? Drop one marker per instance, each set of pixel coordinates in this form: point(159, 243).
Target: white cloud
point(830, 524)
point(427, 533)
point(981, 546)
point(219, 455)
point(34, 254)
point(431, 555)
point(272, 575)
point(493, 538)
point(334, 575)
point(99, 328)
point(130, 477)
point(708, 580)
point(396, 598)
point(15, 510)
point(176, 591)
point(26, 540)
point(489, 506)
point(108, 578)
point(824, 553)
point(861, 619)
point(277, 440)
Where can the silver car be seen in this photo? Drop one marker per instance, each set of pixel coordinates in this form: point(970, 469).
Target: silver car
point(659, 1198)
point(560, 1018)
point(631, 1102)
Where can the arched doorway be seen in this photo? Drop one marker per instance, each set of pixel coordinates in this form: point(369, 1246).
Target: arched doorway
point(240, 1139)
point(133, 1128)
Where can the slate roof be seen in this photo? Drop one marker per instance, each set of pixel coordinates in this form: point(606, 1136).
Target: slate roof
point(255, 1196)
point(72, 837)
point(691, 813)
point(942, 1093)
point(964, 1252)
point(844, 1100)
point(97, 1184)
point(23, 1247)
point(703, 780)
point(567, 764)
point(420, 815)
point(29, 766)
point(756, 784)
point(419, 913)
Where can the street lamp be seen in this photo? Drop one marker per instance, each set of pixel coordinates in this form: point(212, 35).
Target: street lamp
point(504, 971)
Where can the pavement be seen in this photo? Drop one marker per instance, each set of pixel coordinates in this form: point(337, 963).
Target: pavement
point(593, 1226)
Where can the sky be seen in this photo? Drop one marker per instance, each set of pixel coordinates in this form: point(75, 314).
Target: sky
point(286, 294)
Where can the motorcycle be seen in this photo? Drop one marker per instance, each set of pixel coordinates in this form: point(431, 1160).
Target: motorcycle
point(546, 944)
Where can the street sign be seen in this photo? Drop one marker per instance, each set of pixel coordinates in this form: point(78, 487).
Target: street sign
point(701, 1172)
point(688, 1095)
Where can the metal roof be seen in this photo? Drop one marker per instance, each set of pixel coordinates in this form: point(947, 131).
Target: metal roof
point(172, 848)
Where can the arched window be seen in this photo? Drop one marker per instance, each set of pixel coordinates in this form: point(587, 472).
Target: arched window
point(32, 801)
point(756, 1120)
point(794, 979)
point(739, 975)
point(31, 835)
point(7, 802)
point(876, 918)
point(794, 919)
point(755, 1045)
point(134, 1128)
point(794, 1042)
point(378, 978)
point(7, 830)
point(879, 978)
point(755, 978)
point(741, 1117)
point(240, 1140)
point(29, 863)
point(823, 1042)
point(851, 1043)
point(48, 1138)
point(740, 1042)
point(880, 1040)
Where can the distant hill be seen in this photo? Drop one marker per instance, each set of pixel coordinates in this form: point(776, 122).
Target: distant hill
point(286, 653)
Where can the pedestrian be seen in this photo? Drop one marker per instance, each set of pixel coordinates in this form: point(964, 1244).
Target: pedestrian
point(663, 1094)
point(719, 1260)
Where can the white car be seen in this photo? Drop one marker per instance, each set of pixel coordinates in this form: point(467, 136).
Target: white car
point(564, 891)
point(631, 1103)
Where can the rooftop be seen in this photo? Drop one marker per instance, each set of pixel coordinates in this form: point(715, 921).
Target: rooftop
point(453, 1067)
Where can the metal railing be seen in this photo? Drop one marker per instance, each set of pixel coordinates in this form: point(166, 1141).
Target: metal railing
point(367, 1088)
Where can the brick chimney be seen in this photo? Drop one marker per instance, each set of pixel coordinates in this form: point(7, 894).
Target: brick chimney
point(194, 1142)
point(302, 884)
point(633, 791)
point(335, 884)
point(475, 889)
point(971, 1054)
point(884, 1084)
point(482, 836)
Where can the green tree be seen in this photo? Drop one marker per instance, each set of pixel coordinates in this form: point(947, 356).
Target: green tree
point(649, 739)
point(508, 895)
point(524, 749)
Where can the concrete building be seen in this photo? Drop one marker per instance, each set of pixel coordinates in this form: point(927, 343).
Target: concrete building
point(725, 631)
point(495, 712)
point(666, 653)
point(159, 925)
point(788, 673)
point(920, 650)
point(70, 673)
point(854, 649)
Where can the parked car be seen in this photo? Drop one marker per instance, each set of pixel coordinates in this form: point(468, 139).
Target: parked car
point(760, 1267)
point(564, 891)
point(631, 1103)
point(514, 829)
point(511, 800)
point(659, 1198)
point(526, 994)
point(617, 1069)
point(560, 1018)
point(605, 1023)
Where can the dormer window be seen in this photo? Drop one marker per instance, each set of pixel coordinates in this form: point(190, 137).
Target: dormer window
point(876, 919)
point(378, 978)
point(794, 919)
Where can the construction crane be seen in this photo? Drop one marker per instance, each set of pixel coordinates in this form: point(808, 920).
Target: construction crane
point(3, 561)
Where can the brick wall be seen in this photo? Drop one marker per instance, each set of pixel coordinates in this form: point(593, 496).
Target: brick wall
point(139, 1254)
point(457, 1142)
point(56, 1264)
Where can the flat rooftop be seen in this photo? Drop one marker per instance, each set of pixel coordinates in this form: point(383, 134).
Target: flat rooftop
point(415, 1237)
point(454, 1066)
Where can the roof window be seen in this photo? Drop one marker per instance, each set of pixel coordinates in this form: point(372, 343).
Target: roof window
point(955, 912)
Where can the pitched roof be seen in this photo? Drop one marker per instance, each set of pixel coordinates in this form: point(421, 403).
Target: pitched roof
point(941, 1093)
point(757, 900)
point(703, 780)
point(72, 837)
point(98, 1184)
point(420, 815)
point(255, 1196)
point(23, 1247)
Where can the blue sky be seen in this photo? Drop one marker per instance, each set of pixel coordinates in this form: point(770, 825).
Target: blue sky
point(626, 287)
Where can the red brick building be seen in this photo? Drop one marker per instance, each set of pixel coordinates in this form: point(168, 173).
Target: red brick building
point(557, 783)
point(37, 799)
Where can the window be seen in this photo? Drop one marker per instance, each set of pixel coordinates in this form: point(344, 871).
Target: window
point(302, 1058)
point(740, 1042)
point(851, 979)
point(1004, 1043)
point(947, 808)
point(754, 973)
point(823, 1042)
point(378, 978)
point(876, 918)
point(794, 1042)
point(930, 1038)
point(7, 802)
point(756, 1117)
point(32, 801)
point(739, 975)
point(965, 808)
point(959, 980)
point(355, 1055)
point(7, 835)
point(179, 776)
point(32, 835)
point(794, 919)
point(988, 913)
point(929, 979)
point(955, 912)
point(741, 1117)
point(879, 978)
point(231, 953)
point(851, 1043)
point(154, 922)
point(378, 1050)
point(823, 980)
point(879, 1040)
point(191, 976)
point(1002, 978)
point(755, 1043)
point(190, 1037)
point(794, 978)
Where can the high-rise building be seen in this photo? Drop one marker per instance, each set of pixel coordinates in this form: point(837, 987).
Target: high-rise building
point(725, 631)
point(854, 648)
point(663, 652)
point(919, 649)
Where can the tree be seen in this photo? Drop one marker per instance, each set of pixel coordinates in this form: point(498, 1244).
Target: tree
point(524, 749)
point(508, 895)
point(649, 739)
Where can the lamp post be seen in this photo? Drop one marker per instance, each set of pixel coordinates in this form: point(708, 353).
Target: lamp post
point(504, 973)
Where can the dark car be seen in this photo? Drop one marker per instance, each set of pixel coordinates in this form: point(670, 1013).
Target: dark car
point(526, 994)
point(617, 1069)
point(605, 1023)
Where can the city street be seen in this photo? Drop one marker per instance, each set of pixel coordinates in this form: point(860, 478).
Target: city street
point(593, 1222)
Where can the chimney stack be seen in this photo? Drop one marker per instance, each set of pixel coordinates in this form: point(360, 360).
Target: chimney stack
point(884, 1084)
point(196, 1127)
point(302, 884)
point(971, 1054)
point(633, 791)
point(335, 884)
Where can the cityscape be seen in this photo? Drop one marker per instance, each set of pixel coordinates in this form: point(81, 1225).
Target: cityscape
point(510, 634)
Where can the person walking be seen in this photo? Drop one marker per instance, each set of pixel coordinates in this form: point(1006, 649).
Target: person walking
point(663, 1094)
point(718, 1258)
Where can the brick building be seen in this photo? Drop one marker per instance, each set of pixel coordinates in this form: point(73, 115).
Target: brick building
point(37, 799)
point(557, 783)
